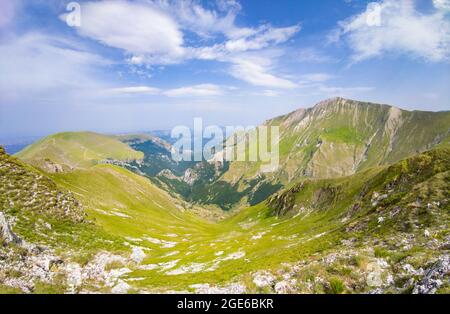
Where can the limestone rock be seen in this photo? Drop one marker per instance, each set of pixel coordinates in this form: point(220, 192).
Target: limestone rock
point(137, 255)
point(263, 279)
point(6, 233)
point(434, 277)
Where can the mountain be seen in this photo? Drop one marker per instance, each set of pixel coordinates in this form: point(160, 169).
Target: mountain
point(22, 186)
point(157, 155)
point(77, 230)
point(102, 223)
point(75, 150)
point(339, 137)
point(43, 230)
point(380, 230)
point(176, 177)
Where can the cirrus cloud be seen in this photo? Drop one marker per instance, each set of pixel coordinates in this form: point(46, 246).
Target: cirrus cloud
point(133, 90)
point(256, 73)
point(200, 90)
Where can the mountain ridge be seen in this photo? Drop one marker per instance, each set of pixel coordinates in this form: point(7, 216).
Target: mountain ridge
point(380, 229)
point(339, 137)
point(336, 137)
point(67, 151)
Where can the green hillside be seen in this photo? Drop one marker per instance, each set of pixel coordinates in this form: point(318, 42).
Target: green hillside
point(344, 235)
point(360, 204)
point(22, 186)
point(339, 137)
point(123, 201)
point(94, 225)
point(43, 228)
point(69, 151)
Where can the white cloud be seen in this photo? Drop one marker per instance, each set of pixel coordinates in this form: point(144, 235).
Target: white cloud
point(442, 5)
point(38, 64)
point(255, 72)
point(133, 90)
point(316, 77)
point(270, 93)
point(249, 62)
point(201, 90)
point(137, 28)
point(312, 55)
point(392, 26)
point(263, 37)
point(207, 22)
point(151, 33)
point(136, 60)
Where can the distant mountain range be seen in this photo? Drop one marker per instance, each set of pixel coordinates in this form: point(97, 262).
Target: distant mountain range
point(14, 144)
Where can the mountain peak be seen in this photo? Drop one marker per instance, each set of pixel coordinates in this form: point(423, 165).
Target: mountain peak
point(338, 101)
point(332, 100)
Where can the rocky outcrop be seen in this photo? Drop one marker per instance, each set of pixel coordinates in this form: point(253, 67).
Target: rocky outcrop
point(233, 288)
point(284, 201)
point(30, 264)
point(190, 176)
point(166, 173)
point(434, 277)
point(97, 270)
point(51, 167)
point(264, 279)
point(6, 233)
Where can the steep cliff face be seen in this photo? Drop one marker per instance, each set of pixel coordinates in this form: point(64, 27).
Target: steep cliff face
point(340, 137)
point(366, 135)
point(417, 182)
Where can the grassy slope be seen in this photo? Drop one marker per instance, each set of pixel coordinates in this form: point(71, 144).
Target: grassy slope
point(264, 240)
point(108, 189)
point(128, 210)
point(338, 137)
point(34, 200)
point(323, 213)
point(129, 206)
point(77, 150)
point(182, 249)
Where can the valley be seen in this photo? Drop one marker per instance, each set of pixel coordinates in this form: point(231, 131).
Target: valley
point(359, 204)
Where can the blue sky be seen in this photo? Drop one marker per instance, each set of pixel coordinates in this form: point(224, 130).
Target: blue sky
point(154, 64)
